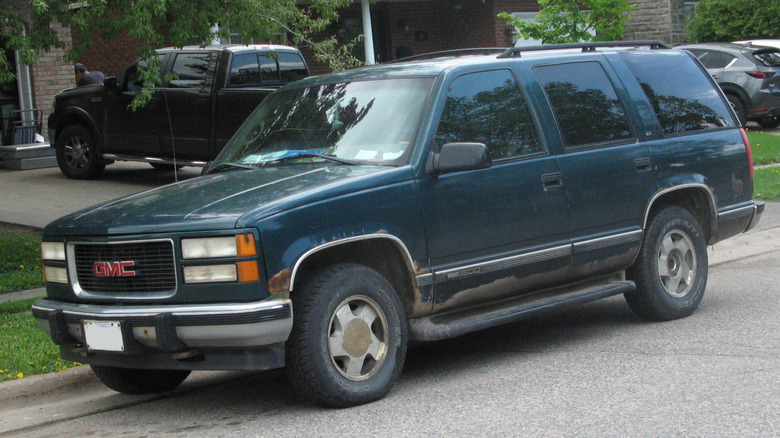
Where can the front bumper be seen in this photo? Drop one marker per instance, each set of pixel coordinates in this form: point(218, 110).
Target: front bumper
point(181, 332)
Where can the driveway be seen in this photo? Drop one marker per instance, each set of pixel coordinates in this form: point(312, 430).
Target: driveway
point(37, 197)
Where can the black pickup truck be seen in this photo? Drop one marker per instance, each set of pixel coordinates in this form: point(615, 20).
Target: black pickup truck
point(188, 120)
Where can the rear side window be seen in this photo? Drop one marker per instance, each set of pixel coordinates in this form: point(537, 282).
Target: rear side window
point(768, 57)
point(190, 69)
point(245, 70)
point(291, 67)
point(488, 107)
point(713, 59)
point(585, 103)
point(681, 94)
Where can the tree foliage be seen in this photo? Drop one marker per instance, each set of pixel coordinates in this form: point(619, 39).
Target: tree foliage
point(731, 20)
point(25, 26)
point(571, 21)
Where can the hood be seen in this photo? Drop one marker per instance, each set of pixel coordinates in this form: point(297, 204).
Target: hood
point(217, 201)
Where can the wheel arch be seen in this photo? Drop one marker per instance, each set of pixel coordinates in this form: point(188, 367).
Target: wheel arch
point(697, 198)
point(729, 88)
point(385, 253)
point(76, 116)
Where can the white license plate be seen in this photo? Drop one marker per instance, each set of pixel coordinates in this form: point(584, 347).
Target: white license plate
point(104, 335)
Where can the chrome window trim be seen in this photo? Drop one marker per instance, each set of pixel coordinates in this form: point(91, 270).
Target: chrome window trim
point(70, 251)
point(395, 240)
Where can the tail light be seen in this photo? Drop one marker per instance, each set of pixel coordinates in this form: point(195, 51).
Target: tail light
point(749, 151)
point(761, 74)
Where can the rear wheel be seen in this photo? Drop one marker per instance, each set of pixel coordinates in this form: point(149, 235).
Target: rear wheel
point(671, 269)
point(739, 108)
point(348, 343)
point(139, 381)
point(77, 154)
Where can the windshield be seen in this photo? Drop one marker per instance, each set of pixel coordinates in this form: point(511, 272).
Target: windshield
point(371, 122)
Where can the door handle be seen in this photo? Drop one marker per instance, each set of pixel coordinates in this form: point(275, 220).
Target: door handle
point(643, 164)
point(552, 180)
point(201, 101)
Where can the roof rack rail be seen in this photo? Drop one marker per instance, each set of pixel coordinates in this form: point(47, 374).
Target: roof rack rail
point(453, 53)
point(586, 47)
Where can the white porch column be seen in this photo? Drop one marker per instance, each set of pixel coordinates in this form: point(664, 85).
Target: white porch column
point(368, 33)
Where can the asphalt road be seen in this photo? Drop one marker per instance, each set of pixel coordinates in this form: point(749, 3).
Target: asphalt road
point(596, 370)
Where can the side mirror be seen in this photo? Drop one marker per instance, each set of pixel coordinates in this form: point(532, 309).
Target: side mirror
point(458, 157)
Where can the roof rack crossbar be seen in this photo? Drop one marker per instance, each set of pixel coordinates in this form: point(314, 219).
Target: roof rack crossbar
point(453, 53)
point(586, 47)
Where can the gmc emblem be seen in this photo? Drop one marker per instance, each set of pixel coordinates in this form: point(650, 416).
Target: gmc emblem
point(114, 269)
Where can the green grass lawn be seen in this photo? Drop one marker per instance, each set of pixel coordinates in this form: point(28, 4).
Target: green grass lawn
point(766, 184)
point(20, 262)
point(766, 147)
point(24, 348)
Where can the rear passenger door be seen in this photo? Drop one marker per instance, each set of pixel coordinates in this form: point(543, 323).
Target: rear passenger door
point(606, 169)
point(498, 231)
point(189, 105)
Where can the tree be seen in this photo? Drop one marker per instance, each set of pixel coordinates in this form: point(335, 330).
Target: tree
point(25, 26)
point(570, 21)
point(731, 20)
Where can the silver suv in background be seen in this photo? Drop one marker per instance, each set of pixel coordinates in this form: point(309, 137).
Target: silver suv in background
point(749, 76)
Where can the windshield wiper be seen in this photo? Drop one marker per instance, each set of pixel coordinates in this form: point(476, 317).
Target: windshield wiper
point(230, 166)
point(313, 155)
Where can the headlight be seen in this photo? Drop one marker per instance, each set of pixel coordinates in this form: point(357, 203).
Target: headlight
point(210, 274)
point(53, 251)
point(241, 245)
point(55, 275)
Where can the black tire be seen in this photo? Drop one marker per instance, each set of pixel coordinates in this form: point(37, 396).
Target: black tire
point(334, 358)
point(139, 381)
point(739, 108)
point(165, 167)
point(769, 122)
point(77, 153)
point(671, 270)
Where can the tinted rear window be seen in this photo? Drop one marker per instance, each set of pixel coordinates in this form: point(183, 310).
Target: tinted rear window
point(681, 94)
point(585, 103)
point(770, 58)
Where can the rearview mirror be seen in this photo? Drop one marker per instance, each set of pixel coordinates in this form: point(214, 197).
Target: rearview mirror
point(458, 157)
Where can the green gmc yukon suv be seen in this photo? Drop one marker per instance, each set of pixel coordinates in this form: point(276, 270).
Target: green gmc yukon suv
point(355, 212)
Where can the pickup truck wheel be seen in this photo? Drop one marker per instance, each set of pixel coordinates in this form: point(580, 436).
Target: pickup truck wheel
point(348, 342)
point(77, 153)
point(671, 270)
point(139, 381)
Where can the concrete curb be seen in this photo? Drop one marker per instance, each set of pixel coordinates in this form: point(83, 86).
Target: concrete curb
point(23, 295)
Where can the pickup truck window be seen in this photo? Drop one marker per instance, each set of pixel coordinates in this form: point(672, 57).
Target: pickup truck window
point(341, 120)
point(585, 103)
point(488, 107)
point(688, 103)
point(291, 67)
point(190, 69)
point(245, 70)
point(133, 81)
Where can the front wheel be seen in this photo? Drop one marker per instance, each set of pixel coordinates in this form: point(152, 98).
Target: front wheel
point(348, 342)
point(139, 381)
point(77, 154)
point(671, 269)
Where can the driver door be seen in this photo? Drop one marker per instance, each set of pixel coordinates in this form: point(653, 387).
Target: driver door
point(129, 131)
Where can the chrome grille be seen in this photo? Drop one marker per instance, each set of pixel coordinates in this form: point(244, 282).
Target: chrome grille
point(153, 265)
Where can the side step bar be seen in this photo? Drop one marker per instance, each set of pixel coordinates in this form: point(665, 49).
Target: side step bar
point(457, 323)
point(155, 160)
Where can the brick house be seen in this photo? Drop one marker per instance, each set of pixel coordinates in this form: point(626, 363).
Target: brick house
point(398, 28)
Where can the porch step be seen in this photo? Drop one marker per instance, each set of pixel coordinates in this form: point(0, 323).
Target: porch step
point(27, 156)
